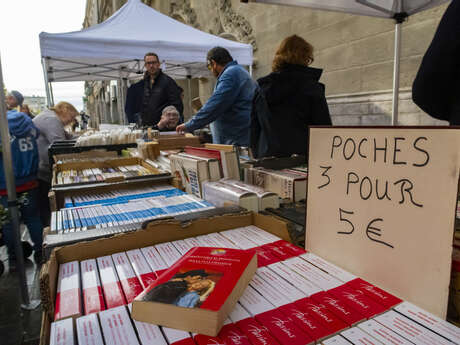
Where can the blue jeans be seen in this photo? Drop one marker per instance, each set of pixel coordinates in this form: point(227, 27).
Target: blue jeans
point(30, 216)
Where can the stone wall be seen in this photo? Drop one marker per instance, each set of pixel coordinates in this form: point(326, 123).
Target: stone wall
point(356, 52)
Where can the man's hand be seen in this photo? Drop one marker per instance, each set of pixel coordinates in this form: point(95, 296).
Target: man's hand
point(181, 128)
point(163, 123)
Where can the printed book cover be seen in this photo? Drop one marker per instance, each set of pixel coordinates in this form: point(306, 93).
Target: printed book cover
point(198, 292)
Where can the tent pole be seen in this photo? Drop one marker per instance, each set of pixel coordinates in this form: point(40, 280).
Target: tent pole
point(189, 84)
point(399, 18)
point(250, 69)
point(45, 76)
point(52, 94)
point(12, 199)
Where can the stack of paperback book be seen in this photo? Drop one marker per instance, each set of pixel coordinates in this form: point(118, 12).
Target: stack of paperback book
point(299, 299)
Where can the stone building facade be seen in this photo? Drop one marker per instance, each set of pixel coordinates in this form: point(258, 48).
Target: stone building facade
point(355, 52)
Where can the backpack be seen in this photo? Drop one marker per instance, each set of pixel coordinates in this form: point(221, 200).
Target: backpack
point(263, 139)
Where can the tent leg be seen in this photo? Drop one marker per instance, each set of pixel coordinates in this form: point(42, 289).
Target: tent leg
point(189, 84)
point(12, 199)
point(47, 89)
point(250, 69)
point(397, 56)
point(52, 94)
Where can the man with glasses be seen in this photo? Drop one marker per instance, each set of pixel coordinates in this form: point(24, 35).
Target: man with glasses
point(228, 110)
point(147, 98)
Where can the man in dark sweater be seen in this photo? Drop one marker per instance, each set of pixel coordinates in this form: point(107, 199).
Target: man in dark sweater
point(147, 98)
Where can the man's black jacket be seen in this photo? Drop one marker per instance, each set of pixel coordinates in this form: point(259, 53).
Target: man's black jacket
point(164, 92)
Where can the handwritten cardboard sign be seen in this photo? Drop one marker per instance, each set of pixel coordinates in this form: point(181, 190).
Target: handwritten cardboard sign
point(381, 204)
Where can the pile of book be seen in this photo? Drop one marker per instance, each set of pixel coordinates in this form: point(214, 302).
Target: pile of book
point(120, 196)
point(298, 299)
point(198, 164)
point(75, 219)
point(228, 191)
point(109, 137)
point(162, 161)
point(289, 184)
point(72, 176)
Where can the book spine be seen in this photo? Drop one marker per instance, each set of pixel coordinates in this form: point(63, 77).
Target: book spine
point(89, 331)
point(265, 257)
point(310, 272)
point(62, 333)
point(111, 287)
point(281, 285)
point(68, 295)
point(142, 269)
point(303, 284)
point(268, 292)
point(347, 314)
point(292, 248)
point(239, 240)
point(149, 334)
point(168, 252)
point(117, 327)
point(430, 321)
point(336, 340)
point(358, 301)
point(154, 259)
point(256, 333)
point(221, 241)
point(382, 334)
point(93, 300)
point(409, 329)
point(128, 279)
point(232, 335)
point(177, 337)
point(182, 246)
point(278, 250)
point(332, 269)
point(357, 336)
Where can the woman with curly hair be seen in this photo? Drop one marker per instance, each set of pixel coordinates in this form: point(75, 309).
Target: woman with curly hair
point(295, 97)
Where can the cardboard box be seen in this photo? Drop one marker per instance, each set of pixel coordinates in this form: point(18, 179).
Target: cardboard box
point(153, 233)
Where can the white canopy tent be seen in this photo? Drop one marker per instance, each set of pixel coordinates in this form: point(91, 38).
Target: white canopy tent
point(398, 10)
point(115, 49)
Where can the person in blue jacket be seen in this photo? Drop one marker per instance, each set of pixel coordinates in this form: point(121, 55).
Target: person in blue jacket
point(24, 151)
point(228, 110)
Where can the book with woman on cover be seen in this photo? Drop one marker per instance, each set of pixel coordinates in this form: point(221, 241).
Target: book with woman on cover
point(199, 291)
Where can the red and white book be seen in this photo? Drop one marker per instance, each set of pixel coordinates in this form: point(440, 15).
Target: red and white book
point(357, 336)
point(283, 328)
point(89, 331)
point(256, 333)
point(303, 284)
point(201, 339)
point(265, 256)
point(177, 337)
point(410, 330)
point(238, 239)
point(261, 233)
point(358, 301)
point(148, 333)
point(111, 287)
point(341, 309)
point(278, 283)
point(232, 335)
point(61, 333)
point(252, 236)
point(142, 269)
point(306, 321)
point(68, 295)
point(154, 259)
point(117, 327)
point(253, 302)
point(332, 269)
point(205, 283)
point(430, 321)
point(168, 252)
point(382, 334)
point(93, 300)
point(337, 340)
point(279, 250)
point(222, 241)
point(318, 277)
point(207, 241)
point(182, 246)
point(129, 282)
point(380, 296)
point(268, 292)
point(239, 313)
point(192, 242)
point(292, 248)
point(325, 317)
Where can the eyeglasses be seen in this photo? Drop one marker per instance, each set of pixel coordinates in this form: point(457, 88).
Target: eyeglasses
point(151, 62)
